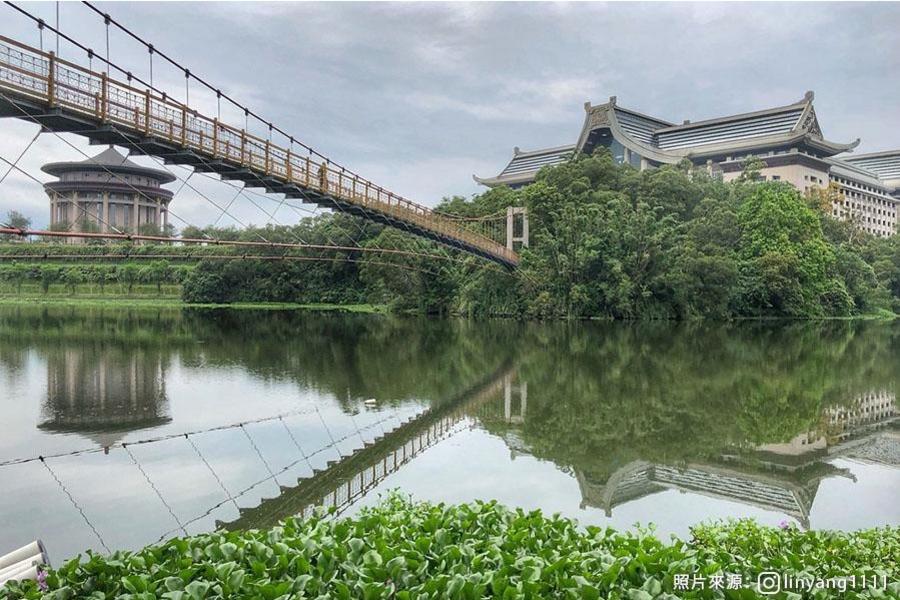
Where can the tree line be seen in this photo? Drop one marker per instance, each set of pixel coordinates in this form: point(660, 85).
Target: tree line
point(125, 275)
point(607, 241)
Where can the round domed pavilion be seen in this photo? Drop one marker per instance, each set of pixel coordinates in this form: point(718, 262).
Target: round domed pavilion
point(107, 193)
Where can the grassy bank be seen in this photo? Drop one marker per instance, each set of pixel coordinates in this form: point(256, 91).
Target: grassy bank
point(149, 301)
point(409, 550)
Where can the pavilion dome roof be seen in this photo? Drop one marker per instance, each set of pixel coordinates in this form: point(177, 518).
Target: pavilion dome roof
point(110, 160)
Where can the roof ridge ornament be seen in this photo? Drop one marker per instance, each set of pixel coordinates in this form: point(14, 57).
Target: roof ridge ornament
point(809, 96)
point(811, 123)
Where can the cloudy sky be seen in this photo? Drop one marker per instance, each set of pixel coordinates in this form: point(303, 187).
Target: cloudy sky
point(418, 97)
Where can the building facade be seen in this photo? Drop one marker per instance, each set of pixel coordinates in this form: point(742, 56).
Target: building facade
point(787, 139)
point(108, 193)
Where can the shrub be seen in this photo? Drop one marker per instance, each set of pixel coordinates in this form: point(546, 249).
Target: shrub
point(404, 550)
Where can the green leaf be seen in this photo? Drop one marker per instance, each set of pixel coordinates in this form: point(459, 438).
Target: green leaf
point(173, 584)
point(197, 590)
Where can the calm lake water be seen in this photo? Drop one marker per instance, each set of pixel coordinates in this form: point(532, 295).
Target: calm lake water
point(156, 422)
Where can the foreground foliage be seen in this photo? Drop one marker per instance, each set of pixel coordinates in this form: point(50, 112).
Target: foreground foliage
point(405, 550)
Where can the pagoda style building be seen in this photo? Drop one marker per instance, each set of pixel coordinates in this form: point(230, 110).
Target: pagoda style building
point(107, 193)
point(788, 139)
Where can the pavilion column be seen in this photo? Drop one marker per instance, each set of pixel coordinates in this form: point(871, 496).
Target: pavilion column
point(73, 218)
point(137, 214)
point(158, 213)
point(104, 226)
point(54, 206)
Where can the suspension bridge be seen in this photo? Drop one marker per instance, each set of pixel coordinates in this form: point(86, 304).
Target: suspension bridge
point(64, 97)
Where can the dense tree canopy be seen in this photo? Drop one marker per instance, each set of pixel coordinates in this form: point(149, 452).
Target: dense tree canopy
point(607, 241)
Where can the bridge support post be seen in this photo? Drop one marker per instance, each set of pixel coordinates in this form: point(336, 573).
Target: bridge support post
point(511, 238)
point(510, 389)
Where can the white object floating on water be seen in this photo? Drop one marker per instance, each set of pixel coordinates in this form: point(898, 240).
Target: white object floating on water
point(370, 402)
point(23, 563)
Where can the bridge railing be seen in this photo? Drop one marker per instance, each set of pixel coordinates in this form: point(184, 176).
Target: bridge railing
point(42, 76)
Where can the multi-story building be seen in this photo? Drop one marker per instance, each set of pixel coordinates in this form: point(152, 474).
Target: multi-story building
point(108, 193)
point(788, 140)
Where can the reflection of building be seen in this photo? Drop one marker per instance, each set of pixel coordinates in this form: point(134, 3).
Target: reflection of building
point(783, 477)
point(791, 494)
point(104, 395)
point(881, 449)
point(787, 139)
point(108, 191)
point(873, 410)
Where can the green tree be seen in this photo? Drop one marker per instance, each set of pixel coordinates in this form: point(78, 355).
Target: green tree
point(15, 220)
point(128, 274)
point(788, 268)
point(49, 275)
point(157, 272)
point(72, 277)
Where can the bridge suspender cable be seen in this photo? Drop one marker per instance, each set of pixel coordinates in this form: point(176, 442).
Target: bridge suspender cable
point(77, 506)
point(137, 237)
point(15, 164)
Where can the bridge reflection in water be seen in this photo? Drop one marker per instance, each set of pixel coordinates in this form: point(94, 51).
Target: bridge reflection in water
point(348, 480)
point(102, 394)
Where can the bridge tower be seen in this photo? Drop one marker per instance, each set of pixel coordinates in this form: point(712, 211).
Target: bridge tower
point(514, 215)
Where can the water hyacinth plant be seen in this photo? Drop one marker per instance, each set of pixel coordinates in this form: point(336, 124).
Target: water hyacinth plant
point(404, 550)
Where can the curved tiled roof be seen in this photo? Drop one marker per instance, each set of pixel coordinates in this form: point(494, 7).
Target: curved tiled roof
point(532, 161)
point(733, 129)
point(659, 142)
point(638, 126)
point(884, 164)
point(525, 165)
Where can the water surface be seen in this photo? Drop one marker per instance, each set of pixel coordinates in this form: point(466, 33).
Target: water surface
point(152, 423)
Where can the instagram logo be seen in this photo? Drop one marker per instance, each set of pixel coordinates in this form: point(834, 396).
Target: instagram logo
point(769, 583)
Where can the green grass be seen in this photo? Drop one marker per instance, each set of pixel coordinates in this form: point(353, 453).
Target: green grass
point(404, 550)
point(113, 290)
point(153, 301)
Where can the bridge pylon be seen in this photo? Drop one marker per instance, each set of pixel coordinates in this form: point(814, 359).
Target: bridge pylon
point(516, 215)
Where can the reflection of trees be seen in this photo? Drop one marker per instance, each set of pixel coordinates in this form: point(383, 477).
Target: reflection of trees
point(603, 395)
point(348, 356)
point(739, 412)
point(356, 356)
